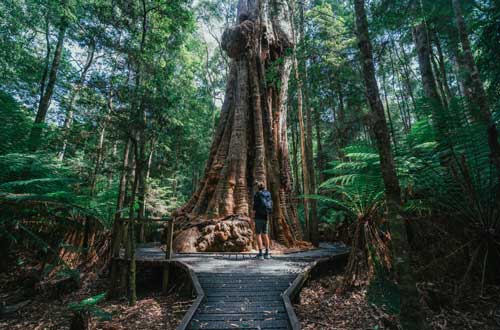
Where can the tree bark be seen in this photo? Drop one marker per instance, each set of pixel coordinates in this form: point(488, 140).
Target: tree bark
point(48, 90)
point(442, 68)
point(340, 122)
point(303, 152)
point(400, 99)
point(406, 74)
point(295, 160)
point(319, 155)
point(250, 143)
point(411, 315)
point(434, 100)
point(43, 80)
point(479, 104)
point(388, 109)
point(118, 226)
point(313, 212)
point(73, 95)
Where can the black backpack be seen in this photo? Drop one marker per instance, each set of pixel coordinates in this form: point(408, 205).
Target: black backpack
point(266, 202)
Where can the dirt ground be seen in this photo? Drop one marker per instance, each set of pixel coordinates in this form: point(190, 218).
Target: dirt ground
point(42, 311)
point(324, 306)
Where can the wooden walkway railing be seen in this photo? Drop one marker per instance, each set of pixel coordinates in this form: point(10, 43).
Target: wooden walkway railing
point(168, 223)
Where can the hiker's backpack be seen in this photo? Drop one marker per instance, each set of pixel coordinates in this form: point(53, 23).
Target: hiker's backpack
point(266, 202)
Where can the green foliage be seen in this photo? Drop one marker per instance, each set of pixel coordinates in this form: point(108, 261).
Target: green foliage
point(355, 185)
point(16, 124)
point(35, 177)
point(90, 305)
point(466, 186)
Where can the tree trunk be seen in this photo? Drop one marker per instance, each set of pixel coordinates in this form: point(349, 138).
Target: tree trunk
point(45, 72)
point(73, 95)
point(480, 106)
point(439, 82)
point(313, 211)
point(399, 97)
point(341, 122)
point(143, 190)
point(314, 221)
point(388, 109)
point(295, 160)
point(442, 69)
point(43, 106)
point(406, 74)
point(411, 315)
point(118, 225)
point(429, 83)
point(319, 155)
point(303, 150)
point(250, 143)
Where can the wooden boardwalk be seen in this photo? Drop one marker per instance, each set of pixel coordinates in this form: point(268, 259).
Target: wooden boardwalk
point(237, 291)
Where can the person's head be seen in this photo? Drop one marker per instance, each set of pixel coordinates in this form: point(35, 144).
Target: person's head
point(260, 185)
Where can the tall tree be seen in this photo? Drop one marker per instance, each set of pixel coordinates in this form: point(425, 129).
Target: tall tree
point(68, 120)
point(435, 101)
point(47, 90)
point(479, 103)
point(303, 138)
point(411, 315)
point(250, 144)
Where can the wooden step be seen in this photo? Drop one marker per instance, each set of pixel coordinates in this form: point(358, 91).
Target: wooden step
point(240, 316)
point(219, 325)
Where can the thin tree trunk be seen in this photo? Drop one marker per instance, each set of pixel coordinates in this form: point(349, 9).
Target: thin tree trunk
point(391, 126)
point(442, 69)
point(43, 106)
point(143, 191)
point(118, 225)
point(43, 80)
point(480, 106)
point(341, 120)
point(131, 241)
point(429, 83)
point(319, 155)
point(295, 159)
point(100, 145)
point(399, 98)
point(406, 74)
point(303, 149)
point(411, 315)
point(309, 152)
point(74, 94)
point(439, 82)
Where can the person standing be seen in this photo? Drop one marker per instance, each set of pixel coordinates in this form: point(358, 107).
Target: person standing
point(263, 208)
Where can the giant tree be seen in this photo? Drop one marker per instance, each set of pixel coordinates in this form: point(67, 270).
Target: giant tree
point(250, 143)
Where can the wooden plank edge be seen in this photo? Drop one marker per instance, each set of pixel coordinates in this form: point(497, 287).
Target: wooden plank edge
point(200, 296)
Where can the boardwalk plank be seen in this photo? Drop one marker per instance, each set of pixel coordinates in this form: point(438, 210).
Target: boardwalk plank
point(264, 324)
point(240, 316)
point(241, 292)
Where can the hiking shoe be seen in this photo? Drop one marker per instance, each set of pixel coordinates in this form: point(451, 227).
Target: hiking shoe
point(260, 257)
point(267, 256)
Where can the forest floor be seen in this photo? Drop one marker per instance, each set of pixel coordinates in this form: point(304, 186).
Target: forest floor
point(325, 306)
point(43, 311)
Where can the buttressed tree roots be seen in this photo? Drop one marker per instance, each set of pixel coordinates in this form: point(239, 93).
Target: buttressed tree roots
point(250, 143)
